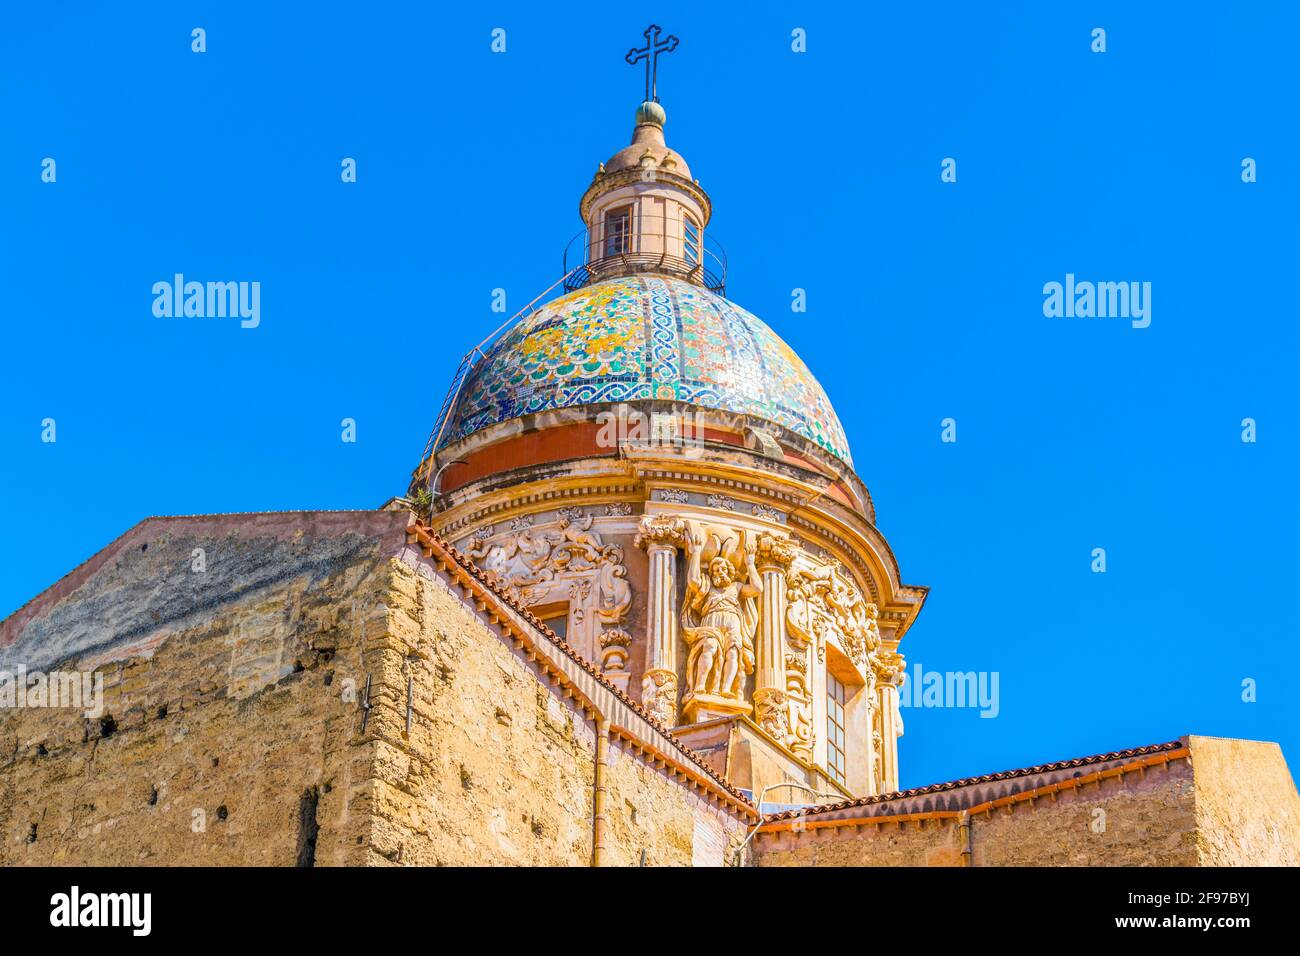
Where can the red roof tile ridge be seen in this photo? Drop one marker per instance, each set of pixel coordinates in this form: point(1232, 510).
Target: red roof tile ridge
point(973, 781)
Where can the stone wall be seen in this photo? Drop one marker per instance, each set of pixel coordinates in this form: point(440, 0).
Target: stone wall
point(320, 689)
point(234, 728)
point(499, 767)
point(1247, 810)
point(891, 844)
point(496, 769)
point(1129, 820)
point(1209, 802)
point(225, 736)
point(1139, 819)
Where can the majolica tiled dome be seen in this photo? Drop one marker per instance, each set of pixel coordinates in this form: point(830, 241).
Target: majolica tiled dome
point(646, 337)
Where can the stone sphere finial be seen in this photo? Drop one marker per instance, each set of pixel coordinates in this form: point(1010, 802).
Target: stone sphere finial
point(651, 113)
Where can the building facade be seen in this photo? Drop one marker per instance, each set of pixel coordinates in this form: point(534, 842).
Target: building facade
point(656, 474)
point(634, 596)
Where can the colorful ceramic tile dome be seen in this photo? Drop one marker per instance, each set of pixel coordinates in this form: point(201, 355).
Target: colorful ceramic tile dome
point(646, 337)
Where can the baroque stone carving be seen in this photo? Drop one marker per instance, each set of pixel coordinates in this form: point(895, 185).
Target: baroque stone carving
point(772, 713)
point(614, 644)
point(660, 536)
point(769, 514)
point(889, 667)
point(618, 509)
point(530, 557)
point(660, 529)
point(615, 591)
point(822, 601)
point(720, 612)
point(775, 551)
point(553, 564)
point(673, 496)
point(659, 695)
point(723, 502)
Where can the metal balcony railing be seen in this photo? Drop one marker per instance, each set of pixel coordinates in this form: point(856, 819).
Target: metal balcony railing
point(638, 243)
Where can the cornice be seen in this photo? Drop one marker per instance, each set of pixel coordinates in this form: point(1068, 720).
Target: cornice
point(636, 175)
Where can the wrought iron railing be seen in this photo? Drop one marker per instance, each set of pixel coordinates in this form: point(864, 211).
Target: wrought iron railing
point(620, 246)
point(452, 398)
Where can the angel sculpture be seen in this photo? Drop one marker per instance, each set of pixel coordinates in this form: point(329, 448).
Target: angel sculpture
point(720, 614)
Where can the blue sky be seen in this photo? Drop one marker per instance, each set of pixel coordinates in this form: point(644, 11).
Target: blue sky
point(924, 298)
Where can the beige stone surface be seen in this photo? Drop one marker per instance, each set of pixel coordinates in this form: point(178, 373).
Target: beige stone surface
point(1140, 819)
point(1224, 803)
point(233, 735)
point(892, 844)
point(1247, 809)
point(237, 735)
point(496, 768)
point(500, 767)
point(231, 742)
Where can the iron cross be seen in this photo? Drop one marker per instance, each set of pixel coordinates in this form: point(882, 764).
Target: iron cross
point(650, 53)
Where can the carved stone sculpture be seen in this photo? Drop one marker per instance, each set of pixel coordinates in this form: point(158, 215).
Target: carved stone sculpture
point(659, 695)
point(719, 619)
point(720, 616)
point(569, 563)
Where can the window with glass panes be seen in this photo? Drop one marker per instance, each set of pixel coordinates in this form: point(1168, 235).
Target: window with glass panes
point(692, 241)
point(835, 744)
point(618, 227)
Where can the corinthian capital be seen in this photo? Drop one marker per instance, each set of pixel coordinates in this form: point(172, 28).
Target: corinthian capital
point(889, 667)
point(775, 552)
point(667, 530)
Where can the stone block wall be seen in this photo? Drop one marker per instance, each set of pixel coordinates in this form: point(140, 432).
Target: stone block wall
point(227, 734)
point(1208, 802)
point(235, 728)
point(1247, 811)
point(500, 765)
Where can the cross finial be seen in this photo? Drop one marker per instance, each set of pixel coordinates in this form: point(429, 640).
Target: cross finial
point(650, 53)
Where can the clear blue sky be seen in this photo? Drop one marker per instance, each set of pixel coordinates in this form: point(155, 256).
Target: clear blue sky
point(924, 299)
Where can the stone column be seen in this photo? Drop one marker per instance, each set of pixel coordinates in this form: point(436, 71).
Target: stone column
point(872, 700)
point(890, 672)
point(661, 536)
point(771, 705)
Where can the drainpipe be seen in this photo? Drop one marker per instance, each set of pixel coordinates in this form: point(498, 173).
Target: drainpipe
point(598, 810)
point(963, 836)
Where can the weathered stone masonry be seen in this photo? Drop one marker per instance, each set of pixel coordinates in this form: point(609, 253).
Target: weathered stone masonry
point(1196, 801)
point(346, 689)
point(235, 699)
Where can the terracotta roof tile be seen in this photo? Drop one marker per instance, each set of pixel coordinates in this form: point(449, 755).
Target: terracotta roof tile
point(973, 781)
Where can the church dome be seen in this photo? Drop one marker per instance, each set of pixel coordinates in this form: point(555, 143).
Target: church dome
point(646, 337)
